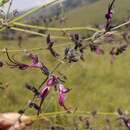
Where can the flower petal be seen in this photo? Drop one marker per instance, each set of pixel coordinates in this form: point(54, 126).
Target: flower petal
point(44, 92)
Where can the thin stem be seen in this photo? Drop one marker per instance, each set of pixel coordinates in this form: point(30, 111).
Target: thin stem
point(121, 25)
point(10, 4)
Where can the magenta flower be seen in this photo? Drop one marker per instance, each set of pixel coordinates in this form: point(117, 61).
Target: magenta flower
point(44, 92)
point(62, 89)
point(61, 99)
point(62, 93)
point(128, 124)
point(35, 64)
point(51, 82)
point(126, 121)
point(109, 16)
point(35, 61)
point(15, 64)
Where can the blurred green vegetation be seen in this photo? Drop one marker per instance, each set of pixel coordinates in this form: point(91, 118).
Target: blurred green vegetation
point(96, 83)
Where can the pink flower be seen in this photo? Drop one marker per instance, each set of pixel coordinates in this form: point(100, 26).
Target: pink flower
point(109, 16)
point(35, 61)
point(126, 121)
point(128, 124)
point(62, 93)
point(62, 89)
point(44, 92)
point(61, 99)
point(51, 82)
point(35, 64)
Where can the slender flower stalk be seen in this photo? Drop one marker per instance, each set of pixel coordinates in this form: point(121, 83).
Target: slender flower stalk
point(109, 16)
point(35, 64)
point(32, 89)
point(33, 105)
point(53, 81)
point(50, 44)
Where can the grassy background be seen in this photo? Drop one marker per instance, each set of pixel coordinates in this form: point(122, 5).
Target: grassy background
point(96, 84)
